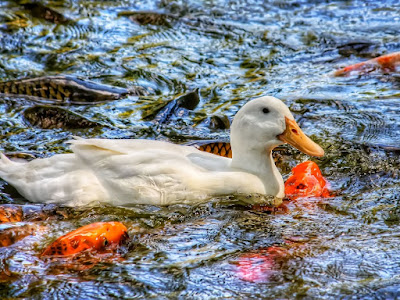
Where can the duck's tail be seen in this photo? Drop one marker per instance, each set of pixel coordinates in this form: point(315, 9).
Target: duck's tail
point(8, 168)
point(4, 159)
point(5, 162)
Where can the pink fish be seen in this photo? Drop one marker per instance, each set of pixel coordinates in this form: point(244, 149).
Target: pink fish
point(260, 266)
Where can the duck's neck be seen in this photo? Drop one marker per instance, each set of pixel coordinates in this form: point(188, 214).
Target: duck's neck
point(262, 165)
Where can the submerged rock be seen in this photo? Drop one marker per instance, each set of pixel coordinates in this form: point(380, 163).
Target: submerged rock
point(189, 100)
point(150, 17)
point(218, 122)
point(178, 107)
point(38, 10)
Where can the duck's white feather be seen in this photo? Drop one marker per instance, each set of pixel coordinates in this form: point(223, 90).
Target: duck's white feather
point(153, 172)
point(124, 172)
point(59, 179)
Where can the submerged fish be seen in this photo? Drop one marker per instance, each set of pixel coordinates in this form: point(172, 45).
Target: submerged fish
point(99, 237)
point(64, 89)
point(385, 63)
point(48, 117)
point(10, 213)
point(306, 181)
point(261, 265)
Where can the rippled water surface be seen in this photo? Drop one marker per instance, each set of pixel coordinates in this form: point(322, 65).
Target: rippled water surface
point(342, 247)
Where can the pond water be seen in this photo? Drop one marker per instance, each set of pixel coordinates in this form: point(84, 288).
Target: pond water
point(346, 246)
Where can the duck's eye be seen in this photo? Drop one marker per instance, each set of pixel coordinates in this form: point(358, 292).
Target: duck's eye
point(265, 110)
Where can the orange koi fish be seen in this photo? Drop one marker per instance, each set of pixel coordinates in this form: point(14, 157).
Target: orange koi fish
point(385, 63)
point(306, 181)
point(27, 213)
point(10, 236)
point(100, 237)
point(10, 213)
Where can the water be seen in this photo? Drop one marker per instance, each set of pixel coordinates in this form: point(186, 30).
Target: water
point(341, 247)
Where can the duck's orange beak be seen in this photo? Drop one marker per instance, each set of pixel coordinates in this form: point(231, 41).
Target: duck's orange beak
point(294, 136)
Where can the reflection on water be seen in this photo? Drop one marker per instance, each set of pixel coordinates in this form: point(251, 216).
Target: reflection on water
point(344, 246)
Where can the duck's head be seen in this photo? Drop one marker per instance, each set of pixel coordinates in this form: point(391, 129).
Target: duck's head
point(265, 123)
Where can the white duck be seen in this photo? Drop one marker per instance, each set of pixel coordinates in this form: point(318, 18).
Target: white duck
point(125, 172)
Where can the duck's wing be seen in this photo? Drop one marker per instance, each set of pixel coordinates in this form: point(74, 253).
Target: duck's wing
point(60, 179)
point(152, 172)
point(93, 150)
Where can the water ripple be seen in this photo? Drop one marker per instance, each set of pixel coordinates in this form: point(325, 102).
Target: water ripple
point(341, 247)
